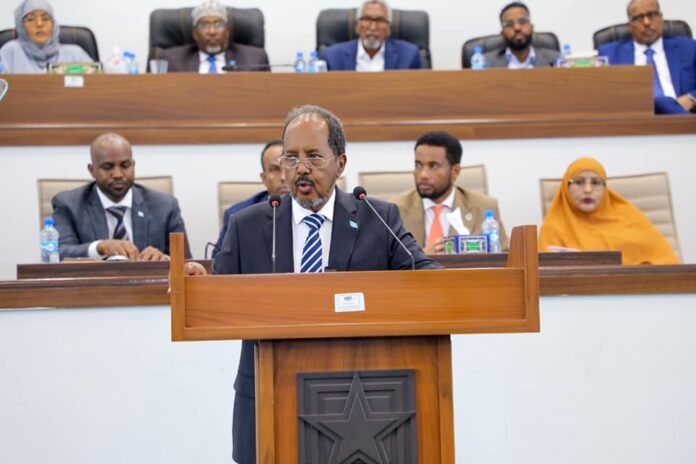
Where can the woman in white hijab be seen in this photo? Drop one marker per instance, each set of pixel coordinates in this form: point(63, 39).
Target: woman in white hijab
point(37, 44)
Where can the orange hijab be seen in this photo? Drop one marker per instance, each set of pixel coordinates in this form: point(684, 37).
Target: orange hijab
point(615, 225)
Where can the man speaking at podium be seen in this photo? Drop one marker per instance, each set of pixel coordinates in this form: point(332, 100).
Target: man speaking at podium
point(319, 228)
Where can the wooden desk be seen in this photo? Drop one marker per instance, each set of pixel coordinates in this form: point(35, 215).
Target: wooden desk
point(400, 105)
point(75, 292)
point(72, 269)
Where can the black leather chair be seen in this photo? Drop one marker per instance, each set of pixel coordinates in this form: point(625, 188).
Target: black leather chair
point(336, 25)
point(620, 32)
point(76, 35)
point(174, 27)
point(495, 42)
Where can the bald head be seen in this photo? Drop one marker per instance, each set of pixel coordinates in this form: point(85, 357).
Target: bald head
point(112, 166)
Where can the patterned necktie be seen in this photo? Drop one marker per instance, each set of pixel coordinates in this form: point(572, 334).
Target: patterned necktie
point(213, 64)
point(436, 234)
point(120, 230)
point(312, 252)
point(657, 86)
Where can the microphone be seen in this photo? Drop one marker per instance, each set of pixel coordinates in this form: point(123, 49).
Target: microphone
point(3, 88)
point(360, 194)
point(233, 66)
point(274, 201)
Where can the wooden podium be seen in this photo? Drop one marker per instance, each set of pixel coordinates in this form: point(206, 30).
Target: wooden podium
point(386, 369)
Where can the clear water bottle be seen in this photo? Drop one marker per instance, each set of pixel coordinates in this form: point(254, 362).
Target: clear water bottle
point(49, 242)
point(491, 229)
point(312, 63)
point(562, 61)
point(300, 65)
point(131, 64)
point(116, 64)
point(478, 61)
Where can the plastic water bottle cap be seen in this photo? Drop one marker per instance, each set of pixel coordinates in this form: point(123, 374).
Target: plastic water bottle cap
point(489, 213)
point(299, 55)
point(478, 49)
point(49, 221)
point(313, 54)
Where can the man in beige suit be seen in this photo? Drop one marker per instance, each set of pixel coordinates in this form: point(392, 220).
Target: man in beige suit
point(438, 155)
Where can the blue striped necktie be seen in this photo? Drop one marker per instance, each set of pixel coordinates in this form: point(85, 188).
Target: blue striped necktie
point(120, 230)
point(657, 86)
point(312, 251)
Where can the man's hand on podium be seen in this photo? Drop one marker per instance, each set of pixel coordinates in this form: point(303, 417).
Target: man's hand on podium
point(193, 268)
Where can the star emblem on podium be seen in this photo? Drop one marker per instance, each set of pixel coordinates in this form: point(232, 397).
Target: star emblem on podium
point(357, 432)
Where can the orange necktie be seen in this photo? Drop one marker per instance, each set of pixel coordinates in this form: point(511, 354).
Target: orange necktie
point(435, 233)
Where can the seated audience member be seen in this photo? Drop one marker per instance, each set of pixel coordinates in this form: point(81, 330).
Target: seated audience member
point(273, 178)
point(517, 32)
point(673, 58)
point(213, 49)
point(37, 44)
point(112, 216)
point(374, 50)
point(586, 215)
point(424, 209)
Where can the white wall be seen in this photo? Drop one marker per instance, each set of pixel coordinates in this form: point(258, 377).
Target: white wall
point(602, 383)
point(290, 26)
point(513, 169)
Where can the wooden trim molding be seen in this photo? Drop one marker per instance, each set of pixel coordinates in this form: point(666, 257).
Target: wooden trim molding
point(144, 291)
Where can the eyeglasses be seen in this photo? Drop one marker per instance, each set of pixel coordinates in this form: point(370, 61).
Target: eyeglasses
point(312, 161)
point(523, 21)
point(31, 19)
point(217, 25)
point(372, 19)
point(579, 182)
point(650, 15)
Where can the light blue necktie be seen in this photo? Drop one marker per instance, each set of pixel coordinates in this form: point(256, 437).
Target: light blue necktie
point(213, 64)
point(657, 86)
point(312, 252)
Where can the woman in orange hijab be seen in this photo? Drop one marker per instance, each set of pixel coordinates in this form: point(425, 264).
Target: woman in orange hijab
point(587, 215)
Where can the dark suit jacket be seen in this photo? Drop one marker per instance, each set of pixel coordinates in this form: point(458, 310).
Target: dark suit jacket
point(681, 59)
point(185, 58)
point(544, 58)
point(398, 54)
point(359, 242)
point(80, 219)
point(252, 200)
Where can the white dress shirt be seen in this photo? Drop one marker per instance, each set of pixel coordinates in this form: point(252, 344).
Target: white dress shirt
point(111, 221)
point(660, 59)
point(363, 62)
point(428, 204)
point(204, 67)
point(300, 231)
point(515, 63)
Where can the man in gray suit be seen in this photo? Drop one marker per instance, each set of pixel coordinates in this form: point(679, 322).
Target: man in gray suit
point(112, 216)
point(319, 227)
point(517, 30)
point(213, 49)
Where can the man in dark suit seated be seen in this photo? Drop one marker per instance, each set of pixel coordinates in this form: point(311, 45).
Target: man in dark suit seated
point(318, 227)
point(517, 32)
point(213, 50)
point(673, 58)
point(273, 178)
point(113, 216)
point(374, 50)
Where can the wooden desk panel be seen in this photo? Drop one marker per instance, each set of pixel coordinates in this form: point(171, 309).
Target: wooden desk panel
point(400, 105)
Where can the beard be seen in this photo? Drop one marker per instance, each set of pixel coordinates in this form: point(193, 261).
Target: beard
point(213, 49)
point(436, 193)
point(309, 204)
point(517, 44)
point(372, 43)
